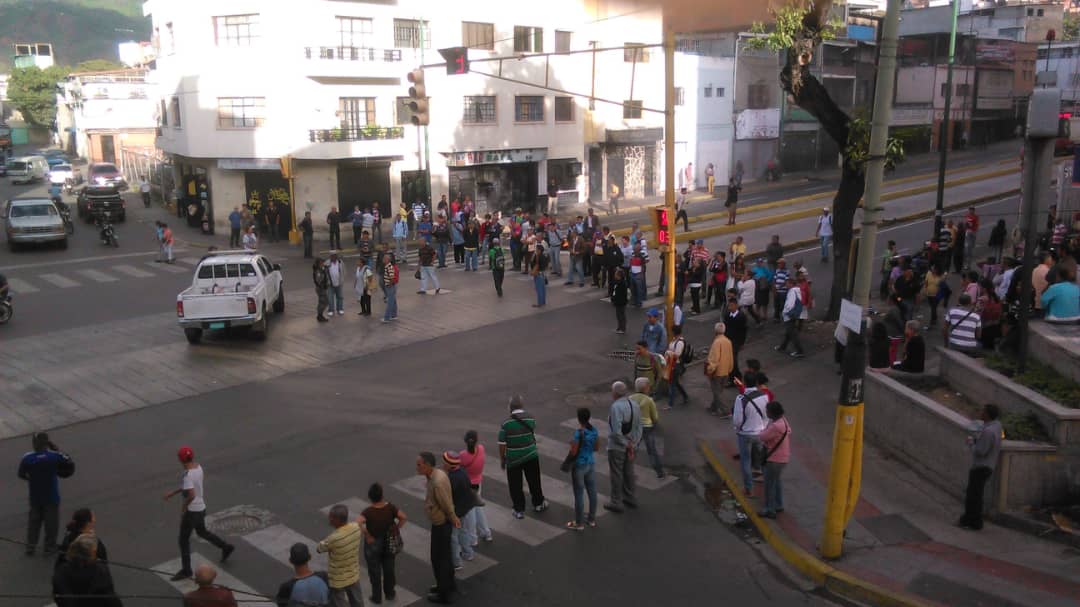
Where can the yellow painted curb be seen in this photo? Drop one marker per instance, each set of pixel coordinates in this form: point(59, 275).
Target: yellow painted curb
point(809, 565)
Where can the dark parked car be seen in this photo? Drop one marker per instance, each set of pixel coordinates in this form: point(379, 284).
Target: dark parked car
point(95, 200)
point(105, 173)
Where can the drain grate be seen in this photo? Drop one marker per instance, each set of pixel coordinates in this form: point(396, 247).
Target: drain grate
point(239, 520)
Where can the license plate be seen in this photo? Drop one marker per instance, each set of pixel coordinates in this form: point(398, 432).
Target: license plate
point(217, 325)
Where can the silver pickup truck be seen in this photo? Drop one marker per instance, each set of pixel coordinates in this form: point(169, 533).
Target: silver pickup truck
point(231, 289)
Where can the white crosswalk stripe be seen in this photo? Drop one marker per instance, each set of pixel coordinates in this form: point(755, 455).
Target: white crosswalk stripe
point(417, 541)
point(58, 281)
point(191, 261)
point(556, 490)
point(96, 275)
point(528, 530)
point(223, 578)
point(17, 285)
point(168, 267)
point(132, 271)
point(645, 477)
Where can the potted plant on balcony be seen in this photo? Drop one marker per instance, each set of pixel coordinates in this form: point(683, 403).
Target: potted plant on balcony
point(337, 134)
point(369, 132)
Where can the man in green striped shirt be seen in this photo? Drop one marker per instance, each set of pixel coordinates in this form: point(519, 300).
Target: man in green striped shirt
point(517, 450)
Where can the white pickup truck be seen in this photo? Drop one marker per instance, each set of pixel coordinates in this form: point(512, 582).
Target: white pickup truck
point(231, 289)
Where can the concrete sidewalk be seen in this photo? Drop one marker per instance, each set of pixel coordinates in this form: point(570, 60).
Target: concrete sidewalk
point(901, 546)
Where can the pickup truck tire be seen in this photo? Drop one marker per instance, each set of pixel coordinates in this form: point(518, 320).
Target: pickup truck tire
point(260, 329)
point(279, 303)
point(193, 335)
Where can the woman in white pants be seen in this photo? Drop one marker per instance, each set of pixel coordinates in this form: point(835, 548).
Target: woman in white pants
point(472, 461)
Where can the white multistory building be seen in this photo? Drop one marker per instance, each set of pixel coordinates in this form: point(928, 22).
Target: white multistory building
point(243, 83)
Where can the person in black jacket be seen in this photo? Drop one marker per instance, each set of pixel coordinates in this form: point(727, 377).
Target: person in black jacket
point(620, 296)
point(914, 350)
point(333, 220)
point(613, 260)
point(735, 328)
point(322, 284)
point(82, 521)
point(307, 231)
point(84, 576)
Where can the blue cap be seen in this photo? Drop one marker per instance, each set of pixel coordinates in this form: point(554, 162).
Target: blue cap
point(654, 312)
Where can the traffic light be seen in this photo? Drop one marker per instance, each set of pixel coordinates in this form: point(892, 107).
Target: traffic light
point(457, 60)
point(418, 100)
point(661, 226)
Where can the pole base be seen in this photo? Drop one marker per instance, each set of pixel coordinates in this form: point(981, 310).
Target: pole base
point(294, 237)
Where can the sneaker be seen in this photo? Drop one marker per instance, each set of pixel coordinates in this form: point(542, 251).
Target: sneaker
point(385, 320)
point(322, 319)
point(573, 526)
point(459, 567)
point(766, 514)
point(778, 348)
point(181, 575)
point(613, 508)
point(519, 514)
point(667, 407)
point(797, 355)
point(489, 538)
point(542, 507)
point(437, 291)
point(341, 312)
point(226, 551)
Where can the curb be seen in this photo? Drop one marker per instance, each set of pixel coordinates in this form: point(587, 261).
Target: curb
point(823, 574)
point(1035, 528)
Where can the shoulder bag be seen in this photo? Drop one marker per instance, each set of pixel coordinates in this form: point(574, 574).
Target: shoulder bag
point(571, 457)
point(394, 542)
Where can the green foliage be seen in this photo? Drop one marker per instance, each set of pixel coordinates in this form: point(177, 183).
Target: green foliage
point(98, 65)
point(33, 91)
point(1070, 27)
point(1041, 378)
point(857, 150)
point(786, 30)
point(79, 30)
point(1024, 427)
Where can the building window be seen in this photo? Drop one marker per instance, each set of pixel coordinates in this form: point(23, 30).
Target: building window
point(528, 39)
point(635, 51)
point(564, 109)
point(241, 112)
point(562, 41)
point(680, 96)
point(407, 33)
point(479, 109)
point(402, 112)
point(164, 114)
point(170, 39)
point(357, 112)
point(236, 30)
point(631, 109)
point(708, 91)
point(354, 32)
point(719, 91)
point(174, 109)
point(1039, 13)
point(1067, 52)
point(963, 90)
point(478, 35)
point(1030, 12)
point(757, 96)
point(528, 108)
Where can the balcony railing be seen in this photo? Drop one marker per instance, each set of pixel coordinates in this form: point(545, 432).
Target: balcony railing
point(363, 133)
point(352, 53)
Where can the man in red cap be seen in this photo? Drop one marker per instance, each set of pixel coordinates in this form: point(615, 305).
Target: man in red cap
point(193, 517)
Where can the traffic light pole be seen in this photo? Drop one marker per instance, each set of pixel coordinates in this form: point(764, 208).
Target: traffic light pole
point(427, 153)
point(946, 127)
point(669, 175)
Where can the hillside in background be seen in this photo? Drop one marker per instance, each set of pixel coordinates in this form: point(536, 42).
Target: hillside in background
point(78, 29)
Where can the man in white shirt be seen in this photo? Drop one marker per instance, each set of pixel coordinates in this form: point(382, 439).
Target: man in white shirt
point(250, 241)
point(193, 517)
point(335, 269)
point(792, 311)
point(748, 420)
point(824, 231)
point(680, 209)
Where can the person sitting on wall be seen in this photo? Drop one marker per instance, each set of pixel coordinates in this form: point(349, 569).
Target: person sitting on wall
point(914, 359)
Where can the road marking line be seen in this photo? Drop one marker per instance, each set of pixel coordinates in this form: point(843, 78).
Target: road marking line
point(20, 286)
point(191, 261)
point(67, 262)
point(58, 281)
point(133, 271)
point(418, 540)
point(97, 275)
point(224, 578)
point(168, 267)
point(276, 540)
point(527, 530)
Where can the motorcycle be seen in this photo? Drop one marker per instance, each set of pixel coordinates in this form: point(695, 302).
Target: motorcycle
point(65, 214)
point(6, 309)
point(107, 233)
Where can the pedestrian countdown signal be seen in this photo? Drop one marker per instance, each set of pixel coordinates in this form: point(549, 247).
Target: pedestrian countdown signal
point(457, 60)
point(661, 226)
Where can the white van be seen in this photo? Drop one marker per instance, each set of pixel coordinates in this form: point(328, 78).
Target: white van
point(27, 169)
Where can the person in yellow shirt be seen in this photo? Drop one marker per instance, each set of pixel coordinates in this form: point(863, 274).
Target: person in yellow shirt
point(738, 248)
point(718, 367)
point(650, 420)
point(344, 563)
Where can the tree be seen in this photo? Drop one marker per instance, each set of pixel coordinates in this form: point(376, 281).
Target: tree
point(33, 91)
point(1070, 27)
point(98, 65)
point(798, 31)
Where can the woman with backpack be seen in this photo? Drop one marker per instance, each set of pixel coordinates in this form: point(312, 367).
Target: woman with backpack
point(777, 441)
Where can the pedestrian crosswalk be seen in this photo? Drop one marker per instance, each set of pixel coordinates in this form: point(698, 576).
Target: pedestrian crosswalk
point(271, 543)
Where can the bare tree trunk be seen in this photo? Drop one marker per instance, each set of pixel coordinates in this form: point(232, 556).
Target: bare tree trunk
point(810, 95)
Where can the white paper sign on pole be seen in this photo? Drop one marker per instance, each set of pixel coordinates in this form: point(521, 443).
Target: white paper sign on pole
point(851, 316)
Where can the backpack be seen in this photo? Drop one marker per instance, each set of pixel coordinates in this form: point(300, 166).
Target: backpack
point(797, 309)
point(687, 353)
point(500, 260)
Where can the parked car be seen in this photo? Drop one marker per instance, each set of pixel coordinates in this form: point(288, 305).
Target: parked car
point(105, 173)
point(55, 157)
point(94, 201)
point(33, 221)
point(3, 167)
point(59, 174)
point(27, 169)
point(231, 289)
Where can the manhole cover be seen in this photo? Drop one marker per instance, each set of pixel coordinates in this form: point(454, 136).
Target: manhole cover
point(239, 520)
point(579, 400)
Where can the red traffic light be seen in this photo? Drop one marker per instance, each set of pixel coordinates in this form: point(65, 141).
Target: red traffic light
point(457, 60)
point(663, 228)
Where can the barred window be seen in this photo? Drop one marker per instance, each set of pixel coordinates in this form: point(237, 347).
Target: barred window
point(241, 112)
point(564, 109)
point(631, 108)
point(407, 33)
point(528, 108)
point(236, 30)
point(478, 109)
point(478, 35)
point(357, 112)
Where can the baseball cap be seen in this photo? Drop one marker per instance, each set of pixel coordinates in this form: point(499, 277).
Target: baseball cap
point(654, 312)
point(185, 454)
point(299, 554)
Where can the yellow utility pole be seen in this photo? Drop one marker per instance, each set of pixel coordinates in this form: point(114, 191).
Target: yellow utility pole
point(669, 174)
point(287, 173)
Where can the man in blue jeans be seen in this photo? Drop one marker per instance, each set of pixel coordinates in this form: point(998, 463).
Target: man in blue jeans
point(42, 468)
point(748, 420)
point(235, 222)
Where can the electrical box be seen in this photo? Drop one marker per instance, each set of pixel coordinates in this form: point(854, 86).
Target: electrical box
point(1043, 109)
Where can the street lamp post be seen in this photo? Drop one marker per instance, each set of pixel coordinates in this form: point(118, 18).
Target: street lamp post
point(946, 124)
